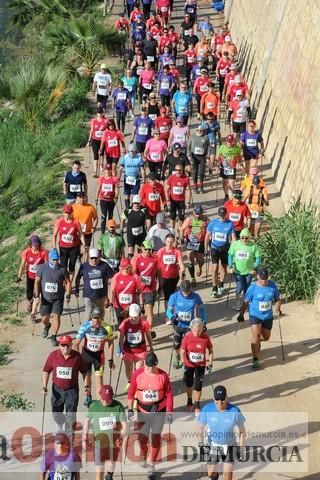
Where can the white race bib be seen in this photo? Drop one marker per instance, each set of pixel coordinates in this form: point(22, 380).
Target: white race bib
point(223, 72)
point(143, 130)
point(74, 188)
point(62, 476)
point(107, 423)
point(199, 151)
point(51, 287)
point(33, 268)
point(221, 237)
point(255, 214)
point(210, 105)
point(96, 283)
point(184, 316)
point(67, 238)
point(164, 85)
point(164, 129)
point(150, 58)
point(251, 142)
point(164, 9)
point(180, 138)
point(150, 396)
point(264, 306)
point(131, 180)
point(196, 357)
point(94, 344)
point(228, 171)
point(153, 197)
point(99, 133)
point(145, 280)
point(137, 230)
point(153, 116)
point(107, 187)
point(147, 86)
point(235, 217)
point(121, 96)
point(113, 142)
point(241, 255)
point(155, 156)
point(218, 446)
point(64, 372)
point(204, 88)
point(169, 259)
point(177, 190)
point(134, 338)
point(125, 298)
point(129, 88)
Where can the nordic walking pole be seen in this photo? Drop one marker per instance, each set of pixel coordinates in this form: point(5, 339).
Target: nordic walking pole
point(118, 379)
point(171, 355)
point(78, 306)
point(43, 411)
point(207, 268)
point(72, 325)
point(158, 314)
point(280, 331)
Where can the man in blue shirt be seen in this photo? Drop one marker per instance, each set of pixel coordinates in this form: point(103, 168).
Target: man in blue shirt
point(132, 164)
point(182, 103)
point(183, 307)
point(206, 27)
point(219, 421)
point(142, 128)
point(220, 232)
point(74, 182)
point(260, 297)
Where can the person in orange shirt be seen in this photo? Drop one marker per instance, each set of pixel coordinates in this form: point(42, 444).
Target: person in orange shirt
point(86, 214)
point(210, 102)
point(256, 195)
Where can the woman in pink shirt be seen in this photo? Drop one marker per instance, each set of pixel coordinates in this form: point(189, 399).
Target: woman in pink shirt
point(155, 152)
point(179, 134)
point(146, 79)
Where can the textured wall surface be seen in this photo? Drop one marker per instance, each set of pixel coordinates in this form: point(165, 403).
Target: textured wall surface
point(279, 44)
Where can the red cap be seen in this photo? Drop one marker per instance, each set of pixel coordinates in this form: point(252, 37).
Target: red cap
point(163, 110)
point(67, 209)
point(125, 262)
point(107, 166)
point(106, 393)
point(230, 139)
point(65, 340)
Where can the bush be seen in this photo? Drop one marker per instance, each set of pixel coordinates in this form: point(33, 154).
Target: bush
point(291, 251)
point(15, 401)
point(5, 351)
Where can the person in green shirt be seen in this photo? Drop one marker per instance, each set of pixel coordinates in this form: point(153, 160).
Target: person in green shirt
point(228, 157)
point(243, 260)
point(108, 421)
point(111, 245)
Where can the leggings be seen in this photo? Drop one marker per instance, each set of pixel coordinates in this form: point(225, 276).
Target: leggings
point(121, 120)
point(107, 208)
point(198, 168)
point(95, 145)
point(68, 257)
point(156, 168)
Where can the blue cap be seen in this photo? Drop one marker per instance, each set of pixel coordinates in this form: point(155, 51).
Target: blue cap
point(54, 254)
point(198, 210)
point(176, 146)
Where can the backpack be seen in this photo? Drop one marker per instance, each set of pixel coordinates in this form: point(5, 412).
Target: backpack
point(218, 5)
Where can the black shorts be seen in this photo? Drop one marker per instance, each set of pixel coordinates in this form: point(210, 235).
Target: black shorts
point(111, 160)
point(87, 239)
point(140, 147)
point(47, 307)
point(150, 217)
point(193, 376)
point(267, 324)
point(227, 176)
point(134, 240)
point(178, 334)
point(169, 287)
point(95, 145)
point(217, 255)
point(68, 257)
point(249, 156)
point(177, 207)
point(95, 359)
point(239, 127)
point(102, 99)
point(149, 298)
point(29, 288)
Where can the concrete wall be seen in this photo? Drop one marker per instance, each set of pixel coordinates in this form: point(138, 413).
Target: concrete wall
point(279, 44)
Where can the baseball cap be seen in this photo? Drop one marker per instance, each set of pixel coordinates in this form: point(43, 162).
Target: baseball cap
point(65, 340)
point(263, 273)
point(237, 193)
point(160, 218)
point(185, 286)
point(198, 209)
point(54, 254)
point(103, 65)
point(96, 313)
point(152, 176)
point(35, 240)
point(93, 253)
point(176, 146)
point(203, 70)
point(111, 223)
point(222, 211)
point(253, 170)
point(245, 233)
point(134, 310)
point(132, 147)
point(107, 166)
point(256, 180)
point(237, 79)
point(147, 245)
point(220, 392)
point(151, 359)
point(227, 38)
point(67, 209)
point(106, 393)
point(125, 262)
point(230, 138)
point(163, 110)
point(135, 199)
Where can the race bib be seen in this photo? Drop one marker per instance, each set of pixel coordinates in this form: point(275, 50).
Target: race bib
point(255, 214)
point(107, 187)
point(131, 180)
point(164, 9)
point(228, 171)
point(251, 142)
point(153, 116)
point(96, 283)
point(221, 237)
point(134, 338)
point(204, 88)
point(264, 306)
point(150, 396)
point(137, 230)
point(242, 255)
point(177, 190)
point(153, 197)
point(143, 130)
point(180, 138)
point(62, 476)
point(223, 72)
point(164, 85)
point(147, 86)
point(223, 449)
point(102, 83)
point(164, 129)
point(187, 32)
point(99, 133)
point(139, 70)
point(235, 217)
point(183, 110)
point(190, 59)
point(74, 188)
point(51, 287)
point(150, 58)
point(184, 316)
point(107, 423)
point(113, 142)
point(155, 156)
point(169, 259)
point(129, 88)
point(83, 227)
point(145, 280)
point(64, 372)
point(33, 268)
point(94, 344)
point(199, 151)
point(193, 245)
point(121, 96)
point(210, 105)
point(67, 238)
point(125, 298)
point(196, 357)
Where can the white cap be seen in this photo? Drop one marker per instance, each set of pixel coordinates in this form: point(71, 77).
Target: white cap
point(132, 147)
point(134, 310)
point(136, 199)
point(237, 78)
point(94, 252)
point(227, 38)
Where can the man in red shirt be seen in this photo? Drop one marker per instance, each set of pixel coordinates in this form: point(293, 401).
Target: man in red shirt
point(171, 267)
point(201, 86)
point(110, 145)
point(193, 356)
point(152, 388)
point(190, 59)
point(107, 193)
point(146, 265)
point(152, 198)
point(164, 124)
point(238, 212)
point(178, 192)
point(65, 364)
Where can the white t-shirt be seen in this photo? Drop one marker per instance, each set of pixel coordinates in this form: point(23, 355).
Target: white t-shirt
point(103, 81)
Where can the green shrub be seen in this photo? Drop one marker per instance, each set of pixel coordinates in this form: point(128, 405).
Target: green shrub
point(15, 401)
point(5, 351)
point(291, 251)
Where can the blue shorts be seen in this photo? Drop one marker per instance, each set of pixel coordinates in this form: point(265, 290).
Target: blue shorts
point(131, 189)
point(267, 324)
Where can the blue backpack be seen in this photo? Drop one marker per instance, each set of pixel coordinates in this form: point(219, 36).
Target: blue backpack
point(218, 5)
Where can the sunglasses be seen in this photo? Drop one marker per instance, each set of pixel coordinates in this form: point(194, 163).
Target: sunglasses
point(64, 345)
point(177, 170)
point(244, 238)
point(93, 258)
